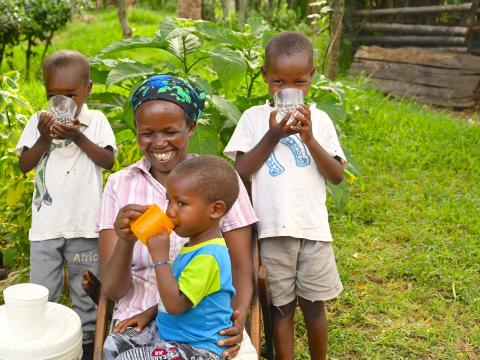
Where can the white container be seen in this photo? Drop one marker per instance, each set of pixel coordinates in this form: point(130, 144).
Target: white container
point(62, 339)
point(25, 306)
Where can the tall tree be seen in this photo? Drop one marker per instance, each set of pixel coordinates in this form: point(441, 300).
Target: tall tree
point(334, 47)
point(122, 15)
point(189, 9)
point(228, 8)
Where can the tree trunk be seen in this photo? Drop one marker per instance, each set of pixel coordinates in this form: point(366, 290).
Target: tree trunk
point(242, 13)
point(228, 8)
point(2, 51)
point(99, 4)
point(122, 15)
point(189, 9)
point(208, 10)
point(28, 55)
point(333, 51)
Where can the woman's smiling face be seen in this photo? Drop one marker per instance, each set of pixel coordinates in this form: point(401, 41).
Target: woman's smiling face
point(162, 135)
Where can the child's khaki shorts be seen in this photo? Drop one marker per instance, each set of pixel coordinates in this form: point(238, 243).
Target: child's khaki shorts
point(300, 267)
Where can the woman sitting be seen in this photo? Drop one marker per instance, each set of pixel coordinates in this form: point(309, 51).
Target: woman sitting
point(165, 111)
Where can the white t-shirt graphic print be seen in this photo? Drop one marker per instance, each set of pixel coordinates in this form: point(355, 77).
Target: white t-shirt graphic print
point(288, 192)
point(73, 180)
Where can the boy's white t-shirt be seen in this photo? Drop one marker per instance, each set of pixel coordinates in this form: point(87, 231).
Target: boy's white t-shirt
point(288, 192)
point(74, 182)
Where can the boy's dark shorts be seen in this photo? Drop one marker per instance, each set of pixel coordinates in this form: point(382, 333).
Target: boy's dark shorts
point(300, 267)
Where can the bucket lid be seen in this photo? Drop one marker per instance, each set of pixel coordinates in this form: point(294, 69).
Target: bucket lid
point(26, 294)
point(63, 333)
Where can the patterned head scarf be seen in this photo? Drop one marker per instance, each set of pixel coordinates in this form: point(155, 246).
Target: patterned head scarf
point(170, 88)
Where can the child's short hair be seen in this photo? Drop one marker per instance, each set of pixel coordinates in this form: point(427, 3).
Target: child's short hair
point(66, 58)
point(215, 178)
point(288, 44)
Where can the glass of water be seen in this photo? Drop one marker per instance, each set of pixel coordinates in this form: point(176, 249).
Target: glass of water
point(63, 108)
point(287, 100)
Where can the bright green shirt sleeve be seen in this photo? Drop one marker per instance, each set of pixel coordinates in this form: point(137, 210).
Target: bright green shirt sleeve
point(200, 278)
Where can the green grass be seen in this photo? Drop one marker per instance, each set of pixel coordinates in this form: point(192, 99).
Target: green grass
point(407, 246)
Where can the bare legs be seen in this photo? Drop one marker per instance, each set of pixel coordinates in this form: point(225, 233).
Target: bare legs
point(315, 322)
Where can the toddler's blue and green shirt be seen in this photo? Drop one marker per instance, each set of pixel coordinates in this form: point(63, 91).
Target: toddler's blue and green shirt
point(204, 276)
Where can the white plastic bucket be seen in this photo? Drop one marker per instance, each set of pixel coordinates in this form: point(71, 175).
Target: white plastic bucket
point(25, 309)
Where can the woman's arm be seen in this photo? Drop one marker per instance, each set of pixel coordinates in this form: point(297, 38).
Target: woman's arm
point(115, 252)
point(239, 242)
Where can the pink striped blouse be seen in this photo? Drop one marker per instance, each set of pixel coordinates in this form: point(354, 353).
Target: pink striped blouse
point(135, 185)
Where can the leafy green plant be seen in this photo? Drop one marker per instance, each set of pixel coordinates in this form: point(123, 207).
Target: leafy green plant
point(43, 19)
point(16, 188)
point(225, 63)
point(11, 20)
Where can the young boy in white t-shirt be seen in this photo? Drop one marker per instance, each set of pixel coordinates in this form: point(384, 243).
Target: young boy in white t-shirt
point(288, 162)
point(69, 160)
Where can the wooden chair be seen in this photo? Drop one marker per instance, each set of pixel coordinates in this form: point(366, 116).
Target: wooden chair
point(260, 304)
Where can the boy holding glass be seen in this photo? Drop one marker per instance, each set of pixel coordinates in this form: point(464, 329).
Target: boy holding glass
point(288, 160)
point(69, 158)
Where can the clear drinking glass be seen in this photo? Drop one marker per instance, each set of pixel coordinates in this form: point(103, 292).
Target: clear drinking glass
point(63, 108)
point(287, 100)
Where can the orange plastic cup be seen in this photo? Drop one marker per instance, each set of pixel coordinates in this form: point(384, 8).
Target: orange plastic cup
point(152, 222)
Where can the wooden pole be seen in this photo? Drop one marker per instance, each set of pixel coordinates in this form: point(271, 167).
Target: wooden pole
point(414, 10)
point(416, 29)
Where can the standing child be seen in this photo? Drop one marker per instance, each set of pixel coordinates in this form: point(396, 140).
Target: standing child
point(196, 290)
point(288, 164)
point(68, 161)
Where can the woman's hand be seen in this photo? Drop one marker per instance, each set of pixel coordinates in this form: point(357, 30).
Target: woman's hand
point(125, 216)
point(140, 320)
point(235, 336)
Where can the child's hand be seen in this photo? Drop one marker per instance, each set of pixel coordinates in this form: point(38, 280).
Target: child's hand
point(303, 124)
point(280, 129)
point(159, 246)
point(45, 122)
point(125, 217)
point(140, 321)
point(67, 131)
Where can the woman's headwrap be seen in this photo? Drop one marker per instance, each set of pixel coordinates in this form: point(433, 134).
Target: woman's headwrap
point(170, 88)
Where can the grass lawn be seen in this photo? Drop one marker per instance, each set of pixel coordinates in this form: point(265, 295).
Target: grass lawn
point(408, 245)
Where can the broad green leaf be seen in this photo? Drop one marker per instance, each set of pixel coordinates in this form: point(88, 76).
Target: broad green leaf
point(258, 26)
point(334, 110)
point(134, 43)
point(9, 256)
point(124, 135)
point(98, 76)
point(180, 32)
point(127, 71)
point(108, 101)
point(14, 194)
point(230, 67)
point(205, 140)
point(166, 26)
point(352, 162)
point(181, 46)
point(227, 108)
point(340, 194)
point(202, 84)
